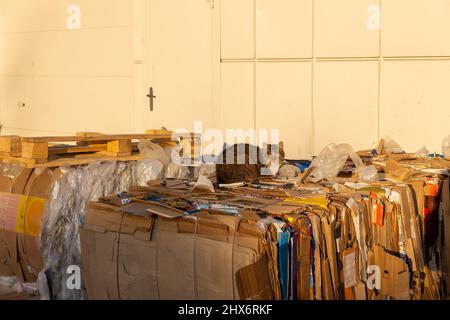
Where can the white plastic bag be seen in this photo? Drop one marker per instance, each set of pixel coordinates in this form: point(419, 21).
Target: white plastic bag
point(42, 284)
point(203, 185)
point(330, 161)
point(207, 170)
point(289, 171)
point(391, 146)
point(367, 173)
point(422, 153)
point(446, 147)
point(153, 151)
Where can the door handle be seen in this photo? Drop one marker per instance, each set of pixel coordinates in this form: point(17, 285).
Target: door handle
point(151, 96)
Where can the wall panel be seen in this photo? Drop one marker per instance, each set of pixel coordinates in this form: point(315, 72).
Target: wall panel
point(415, 103)
point(346, 104)
point(283, 101)
point(416, 28)
point(69, 80)
point(283, 28)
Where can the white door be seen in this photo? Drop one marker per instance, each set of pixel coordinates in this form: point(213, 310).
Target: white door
point(179, 48)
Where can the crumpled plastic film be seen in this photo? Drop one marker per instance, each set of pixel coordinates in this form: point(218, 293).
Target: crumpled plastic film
point(391, 146)
point(10, 170)
point(172, 171)
point(207, 170)
point(423, 152)
point(368, 173)
point(18, 286)
point(330, 161)
point(365, 173)
point(42, 285)
point(153, 151)
point(59, 240)
point(147, 170)
point(288, 171)
point(7, 281)
point(175, 171)
point(446, 147)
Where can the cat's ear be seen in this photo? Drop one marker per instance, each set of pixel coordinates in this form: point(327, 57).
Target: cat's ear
point(281, 146)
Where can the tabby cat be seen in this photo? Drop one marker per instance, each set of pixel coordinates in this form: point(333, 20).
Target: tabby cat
point(244, 162)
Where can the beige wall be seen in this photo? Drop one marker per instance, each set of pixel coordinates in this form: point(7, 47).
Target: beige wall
point(315, 70)
point(70, 80)
point(311, 68)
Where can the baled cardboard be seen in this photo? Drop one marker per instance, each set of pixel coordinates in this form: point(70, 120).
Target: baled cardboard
point(176, 263)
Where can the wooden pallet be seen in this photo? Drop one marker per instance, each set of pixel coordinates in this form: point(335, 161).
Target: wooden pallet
point(85, 148)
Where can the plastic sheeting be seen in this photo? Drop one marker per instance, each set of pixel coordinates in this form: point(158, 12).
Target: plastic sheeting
point(446, 147)
point(14, 285)
point(391, 146)
point(59, 239)
point(332, 160)
point(10, 170)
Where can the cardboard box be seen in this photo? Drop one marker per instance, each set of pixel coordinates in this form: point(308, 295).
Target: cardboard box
point(127, 256)
point(25, 192)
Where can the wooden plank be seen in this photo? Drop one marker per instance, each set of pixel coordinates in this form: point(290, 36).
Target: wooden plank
point(38, 152)
point(119, 146)
point(97, 138)
point(11, 145)
point(158, 132)
point(105, 137)
point(91, 148)
point(74, 161)
point(113, 154)
point(76, 149)
point(34, 150)
point(88, 134)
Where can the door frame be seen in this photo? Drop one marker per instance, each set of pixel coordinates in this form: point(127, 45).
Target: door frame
point(141, 62)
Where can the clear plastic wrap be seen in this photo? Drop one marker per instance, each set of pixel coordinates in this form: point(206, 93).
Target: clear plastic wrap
point(153, 151)
point(391, 146)
point(446, 147)
point(10, 170)
point(423, 153)
point(330, 161)
point(172, 171)
point(42, 285)
point(147, 170)
point(14, 285)
point(184, 173)
point(203, 185)
point(288, 171)
point(59, 239)
point(7, 282)
point(367, 173)
point(207, 170)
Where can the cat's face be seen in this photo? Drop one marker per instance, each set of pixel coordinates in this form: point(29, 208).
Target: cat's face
point(273, 157)
point(274, 151)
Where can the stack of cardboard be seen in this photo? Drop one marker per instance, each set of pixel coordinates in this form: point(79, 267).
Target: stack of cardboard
point(44, 189)
point(23, 194)
point(130, 253)
point(336, 239)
